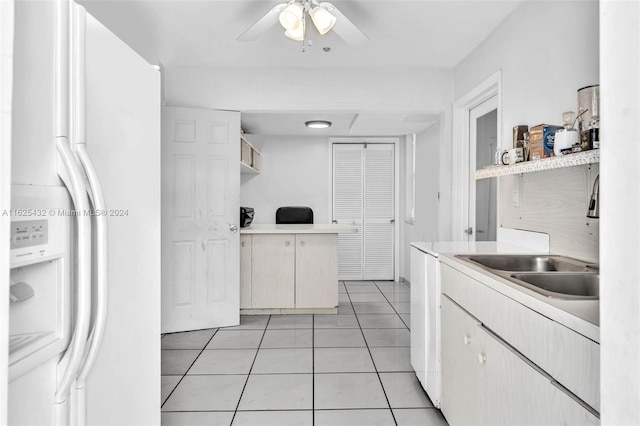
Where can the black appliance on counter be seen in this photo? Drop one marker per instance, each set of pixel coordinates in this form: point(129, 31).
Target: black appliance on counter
point(294, 214)
point(246, 216)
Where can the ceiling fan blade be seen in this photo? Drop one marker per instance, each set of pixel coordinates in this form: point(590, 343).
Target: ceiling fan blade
point(344, 27)
point(263, 24)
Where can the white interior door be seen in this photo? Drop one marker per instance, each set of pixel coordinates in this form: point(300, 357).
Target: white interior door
point(483, 129)
point(348, 207)
point(363, 196)
point(379, 211)
point(200, 211)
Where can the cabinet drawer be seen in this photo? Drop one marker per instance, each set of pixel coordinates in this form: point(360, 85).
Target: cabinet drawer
point(570, 358)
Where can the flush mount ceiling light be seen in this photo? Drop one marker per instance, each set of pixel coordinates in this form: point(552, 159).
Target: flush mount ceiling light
point(318, 124)
point(293, 16)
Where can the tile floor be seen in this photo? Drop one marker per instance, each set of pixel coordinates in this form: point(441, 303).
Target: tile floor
point(347, 369)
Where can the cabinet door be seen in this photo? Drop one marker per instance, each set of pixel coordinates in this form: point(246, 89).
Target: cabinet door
point(245, 271)
point(316, 270)
point(272, 271)
point(462, 387)
point(516, 392)
point(487, 382)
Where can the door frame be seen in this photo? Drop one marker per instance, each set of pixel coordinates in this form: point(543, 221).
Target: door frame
point(460, 170)
point(396, 187)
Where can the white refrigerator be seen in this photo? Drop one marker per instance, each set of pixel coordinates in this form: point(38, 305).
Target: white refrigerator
point(83, 338)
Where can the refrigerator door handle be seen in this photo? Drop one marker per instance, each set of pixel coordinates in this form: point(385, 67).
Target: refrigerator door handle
point(101, 266)
point(76, 349)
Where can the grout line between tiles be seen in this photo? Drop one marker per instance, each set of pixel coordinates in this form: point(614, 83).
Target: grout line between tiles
point(392, 307)
point(372, 360)
point(185, 373)
point(250, 369)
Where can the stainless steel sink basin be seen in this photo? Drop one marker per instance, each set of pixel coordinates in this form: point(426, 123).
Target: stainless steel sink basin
point(526, 263)
point(568, 285)
point(557, 277)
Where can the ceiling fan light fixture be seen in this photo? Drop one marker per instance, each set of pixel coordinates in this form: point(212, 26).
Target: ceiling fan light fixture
point(291, 16)
point(318, 124)
point(296, 34)
point(322, 19)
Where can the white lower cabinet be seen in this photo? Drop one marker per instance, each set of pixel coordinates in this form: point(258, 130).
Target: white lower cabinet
point(486, 382)
point(288, 271)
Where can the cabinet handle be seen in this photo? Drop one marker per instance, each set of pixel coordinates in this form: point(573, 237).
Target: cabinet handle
point(287, 243)
point(467, 339)
point(244, 243)
point(482, 358)
point(302, 243)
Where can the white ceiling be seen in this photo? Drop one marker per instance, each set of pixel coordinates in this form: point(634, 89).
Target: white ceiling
point(414, 34)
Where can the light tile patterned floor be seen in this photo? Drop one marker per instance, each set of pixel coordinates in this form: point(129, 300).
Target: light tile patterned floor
point(326, 370)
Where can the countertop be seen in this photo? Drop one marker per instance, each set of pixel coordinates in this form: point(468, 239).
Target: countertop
point(582, 316)
point(437, 248)
point(324, 228)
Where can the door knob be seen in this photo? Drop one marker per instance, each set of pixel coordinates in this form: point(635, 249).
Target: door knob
point(482, 358)
point(233, 228)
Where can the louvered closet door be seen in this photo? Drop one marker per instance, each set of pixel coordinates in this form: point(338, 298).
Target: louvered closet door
point(378, 212)
point(348, 204)
point(363, 195)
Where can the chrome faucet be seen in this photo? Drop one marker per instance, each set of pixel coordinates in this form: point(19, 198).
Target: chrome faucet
point(594, 203)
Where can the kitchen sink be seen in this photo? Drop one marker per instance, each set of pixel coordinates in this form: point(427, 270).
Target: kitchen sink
point(553, 276)
point(526, 263)
point(564, 285)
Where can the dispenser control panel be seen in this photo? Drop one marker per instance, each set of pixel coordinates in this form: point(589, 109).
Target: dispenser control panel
point(29, 233)
point(37, 232)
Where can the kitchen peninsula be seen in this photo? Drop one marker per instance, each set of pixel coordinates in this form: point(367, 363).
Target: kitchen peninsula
point(290, 269)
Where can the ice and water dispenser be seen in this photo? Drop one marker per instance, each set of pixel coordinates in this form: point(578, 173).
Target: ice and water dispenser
point(39, 321)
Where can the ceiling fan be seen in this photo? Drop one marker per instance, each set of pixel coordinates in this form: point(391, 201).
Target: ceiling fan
point(294, 16)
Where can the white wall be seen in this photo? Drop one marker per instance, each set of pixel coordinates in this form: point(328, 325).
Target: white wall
point(620, 190)
point(546, 51)
point(295, 172)
point(425, 226)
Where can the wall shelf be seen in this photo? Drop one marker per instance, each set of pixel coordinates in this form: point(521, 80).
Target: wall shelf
point(569, 160)
point(250, 159)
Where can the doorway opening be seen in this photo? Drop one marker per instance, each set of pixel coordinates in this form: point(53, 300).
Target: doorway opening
point(468, 112)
